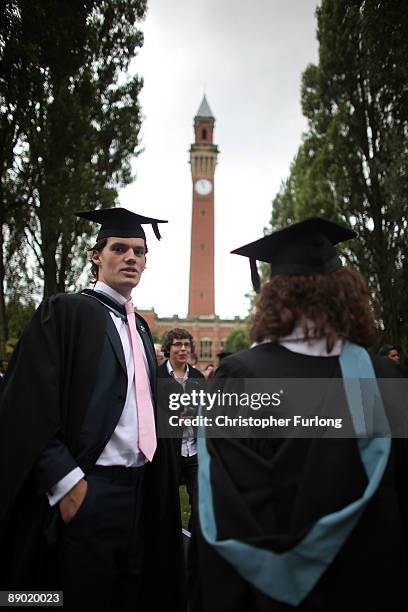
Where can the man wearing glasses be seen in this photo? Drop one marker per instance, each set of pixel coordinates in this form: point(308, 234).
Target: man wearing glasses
point(177, 348)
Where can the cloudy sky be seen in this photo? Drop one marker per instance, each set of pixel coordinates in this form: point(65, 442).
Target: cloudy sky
point(248, 57)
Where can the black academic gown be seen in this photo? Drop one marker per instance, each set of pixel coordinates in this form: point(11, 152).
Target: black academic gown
point(269, 492)
point(67, 383)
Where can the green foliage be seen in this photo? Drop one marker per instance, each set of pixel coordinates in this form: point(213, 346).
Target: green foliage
point(352, 165)
point(156, 337)
point(69, 127)
point(237, 340)
point(185, 506)
point(18, 315)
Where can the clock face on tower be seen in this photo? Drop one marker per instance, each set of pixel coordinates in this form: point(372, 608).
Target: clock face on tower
point(203, 187)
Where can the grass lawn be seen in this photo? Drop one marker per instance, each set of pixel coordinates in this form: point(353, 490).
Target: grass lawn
point(185, 506)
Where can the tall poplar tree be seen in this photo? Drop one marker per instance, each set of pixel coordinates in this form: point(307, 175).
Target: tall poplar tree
point(70, 122)
point(352, 165)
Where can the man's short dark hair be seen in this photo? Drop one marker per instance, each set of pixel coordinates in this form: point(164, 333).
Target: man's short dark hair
point(98, 246)
point(386, 348)
point(176, 334)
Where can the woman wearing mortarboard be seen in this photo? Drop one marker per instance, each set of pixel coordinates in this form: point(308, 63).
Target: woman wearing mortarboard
point(317, 520)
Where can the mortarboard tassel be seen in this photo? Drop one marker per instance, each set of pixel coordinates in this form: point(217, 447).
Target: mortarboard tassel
point(256, 282)
point(156, 231)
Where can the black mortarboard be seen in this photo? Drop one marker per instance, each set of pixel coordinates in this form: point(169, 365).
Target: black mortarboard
point(120, 222)
point(303, 248)
point(223, 354)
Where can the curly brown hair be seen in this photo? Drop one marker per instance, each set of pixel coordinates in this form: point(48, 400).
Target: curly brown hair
point(338, 305)
point(176, 334)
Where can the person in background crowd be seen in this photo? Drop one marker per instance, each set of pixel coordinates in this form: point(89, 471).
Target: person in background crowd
point(209, 371)
point(3, 369)
point(179, 376)
point(193, 360)
point(159, 354)
point(3, 366)
point(222, 355)
point(312, 521)
point(391, 351)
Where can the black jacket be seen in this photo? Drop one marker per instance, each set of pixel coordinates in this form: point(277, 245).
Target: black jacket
point(63, 395)
point(168, 385)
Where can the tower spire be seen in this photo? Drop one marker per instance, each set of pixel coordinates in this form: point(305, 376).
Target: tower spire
point(203, 159)
point(204, 112)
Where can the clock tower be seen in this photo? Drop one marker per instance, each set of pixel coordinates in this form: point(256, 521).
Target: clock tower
point(209, 331)
point(203, 159)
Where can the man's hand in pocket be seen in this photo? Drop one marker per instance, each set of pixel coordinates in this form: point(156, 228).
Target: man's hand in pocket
point(71, 502)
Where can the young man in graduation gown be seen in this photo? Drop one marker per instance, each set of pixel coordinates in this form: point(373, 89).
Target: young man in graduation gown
point(311, 523)
point(89, 494)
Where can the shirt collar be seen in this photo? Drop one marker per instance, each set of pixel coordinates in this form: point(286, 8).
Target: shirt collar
point(315, 347)
point(114, 295)
point(171, 371)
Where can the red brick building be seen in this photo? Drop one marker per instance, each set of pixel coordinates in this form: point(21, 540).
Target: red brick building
point(207, 329)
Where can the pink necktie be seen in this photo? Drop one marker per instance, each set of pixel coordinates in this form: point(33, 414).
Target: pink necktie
point(145, 414)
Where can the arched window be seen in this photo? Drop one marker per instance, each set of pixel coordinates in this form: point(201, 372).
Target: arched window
point(204, 133)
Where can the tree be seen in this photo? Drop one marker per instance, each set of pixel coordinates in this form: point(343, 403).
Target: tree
point(236, 341)
point(18, 315)
point(18, 94)
point(70, 123)
point(352, 165)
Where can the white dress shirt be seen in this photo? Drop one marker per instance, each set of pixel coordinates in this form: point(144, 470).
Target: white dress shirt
point(122, 449)
point(314, 347)
point(188, 442)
